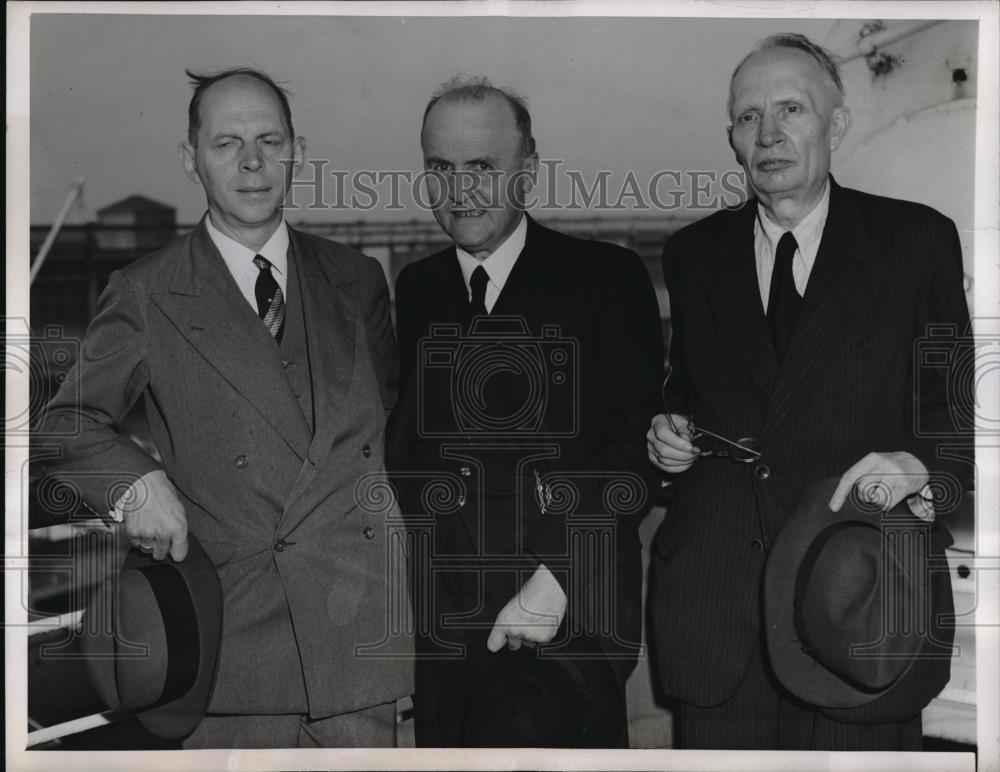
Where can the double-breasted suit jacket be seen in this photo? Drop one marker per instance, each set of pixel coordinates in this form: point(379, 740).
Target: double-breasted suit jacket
point(852, 382)
point(566, 407)
point(271, 449)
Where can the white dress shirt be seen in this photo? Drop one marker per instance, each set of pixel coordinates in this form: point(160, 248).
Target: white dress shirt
point(808, 233)
point(239, 259)
point(498, 265)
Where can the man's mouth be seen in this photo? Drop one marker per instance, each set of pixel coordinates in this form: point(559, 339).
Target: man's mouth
point(253, 190)
point(468, 212)
point(774, 164)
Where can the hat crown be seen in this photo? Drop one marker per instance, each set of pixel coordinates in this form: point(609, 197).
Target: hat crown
point(849, 591)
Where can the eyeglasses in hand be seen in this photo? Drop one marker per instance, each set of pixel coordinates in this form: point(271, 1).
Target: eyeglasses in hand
point(742, 451)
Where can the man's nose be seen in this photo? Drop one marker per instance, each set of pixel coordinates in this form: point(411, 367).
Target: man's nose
point(251, 159)
point(770, 132)
point(462, 185)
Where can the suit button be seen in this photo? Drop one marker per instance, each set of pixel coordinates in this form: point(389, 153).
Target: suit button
point(465, 471)
point(280, 545)
point(285, 363)
point(757, 545)
point(762, 471)
point(366, 451)
point(241, 461)
point(369, 532)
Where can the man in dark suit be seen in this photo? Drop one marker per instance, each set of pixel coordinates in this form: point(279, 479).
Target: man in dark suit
point(527, 360)
point(795, 322)
point(266, 359)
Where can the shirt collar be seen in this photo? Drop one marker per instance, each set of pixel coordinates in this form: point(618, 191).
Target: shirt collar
point(238, 256)
point(499, 264)
point(808, 232)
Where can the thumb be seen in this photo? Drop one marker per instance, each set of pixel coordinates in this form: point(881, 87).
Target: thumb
point(498, 637)
point(179, 547)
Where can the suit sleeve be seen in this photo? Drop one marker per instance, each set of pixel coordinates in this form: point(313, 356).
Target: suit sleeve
point(678, 389)
point(401, 429)
point(382, 340)
point(944, 368)
point(617, 480)
point(83, 421)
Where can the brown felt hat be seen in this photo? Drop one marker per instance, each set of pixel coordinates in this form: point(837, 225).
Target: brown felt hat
point(851, 610)
point(151, 637)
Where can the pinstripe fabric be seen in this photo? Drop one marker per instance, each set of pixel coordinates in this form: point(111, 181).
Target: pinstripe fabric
point(847, 386)
point(763, 716)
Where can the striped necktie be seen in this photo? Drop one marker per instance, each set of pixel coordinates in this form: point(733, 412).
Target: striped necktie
point(270, 300)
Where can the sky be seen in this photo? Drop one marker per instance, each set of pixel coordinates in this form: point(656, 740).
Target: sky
point(109, 94)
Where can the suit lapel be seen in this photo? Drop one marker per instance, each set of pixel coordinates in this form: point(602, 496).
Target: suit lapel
point(329, 310)
point(734, 296)
point(532, 285)
point(840, 278)
point(207, 308)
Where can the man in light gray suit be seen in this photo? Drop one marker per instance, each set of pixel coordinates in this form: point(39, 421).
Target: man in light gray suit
point(267, 363)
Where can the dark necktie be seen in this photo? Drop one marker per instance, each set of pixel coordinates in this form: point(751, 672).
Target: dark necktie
point(478, 283)
point(783, 301)
point(270, 300)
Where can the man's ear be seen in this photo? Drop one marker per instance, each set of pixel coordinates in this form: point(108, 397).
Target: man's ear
point(187, 154)
point(729, 138)
point(530, 168)
point(298, 155)
point(840, 124)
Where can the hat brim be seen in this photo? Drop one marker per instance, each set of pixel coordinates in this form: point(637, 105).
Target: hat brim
point(177, 717)
point(797, 670)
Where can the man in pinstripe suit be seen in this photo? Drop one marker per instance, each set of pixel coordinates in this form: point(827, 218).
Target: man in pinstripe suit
point(794, 321)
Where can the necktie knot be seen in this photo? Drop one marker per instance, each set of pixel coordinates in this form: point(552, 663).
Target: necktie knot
point(478, 283)
point(270, 300)
point(786, 248)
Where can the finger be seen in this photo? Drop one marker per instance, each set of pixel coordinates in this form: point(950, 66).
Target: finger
point(662, 436)
point(513, 643)
point(179, 547)
point(847, 481)
point(498, 637)
point(160, 548)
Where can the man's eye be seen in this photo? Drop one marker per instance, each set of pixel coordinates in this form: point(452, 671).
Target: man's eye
point(748, 117)
point(792, 109)
point(226, 143)
point(482, 166)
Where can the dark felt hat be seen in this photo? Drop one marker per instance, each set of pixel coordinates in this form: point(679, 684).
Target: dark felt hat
point(851, 610)
point(559, 695)
point(151, 636)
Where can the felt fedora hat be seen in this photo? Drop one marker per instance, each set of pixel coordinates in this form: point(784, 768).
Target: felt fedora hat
point(561, 695)
point(854, 606)
point(151, 639)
